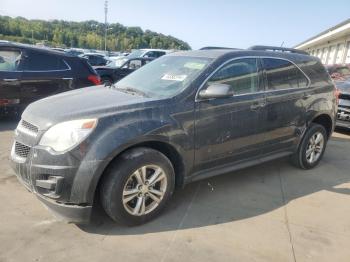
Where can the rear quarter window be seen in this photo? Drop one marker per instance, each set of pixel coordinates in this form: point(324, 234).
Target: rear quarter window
point(9, 60)
point(44, 62)
point(316, 72)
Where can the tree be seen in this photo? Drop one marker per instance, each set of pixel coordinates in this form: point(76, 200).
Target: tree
point(88, 34)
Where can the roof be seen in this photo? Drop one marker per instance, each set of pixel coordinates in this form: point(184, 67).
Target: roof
point(216, 53)
point(150, 49)
point(345, 24)
point(36, 48)
point(212, 53)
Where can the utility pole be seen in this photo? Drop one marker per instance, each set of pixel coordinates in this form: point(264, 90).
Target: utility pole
point(106, 12)
point(32, 37)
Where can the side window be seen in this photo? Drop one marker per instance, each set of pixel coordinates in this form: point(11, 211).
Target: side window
point(158, 54)
point(9, 60)
point(43, 62)
point(135, 64)
point(100, 60)
point(241, 74)
point(92, 60)
point(150, 54)
point(282, 74)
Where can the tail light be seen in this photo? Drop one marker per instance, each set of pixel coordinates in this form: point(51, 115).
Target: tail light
point(337, 94)
point(5, 102)
point(95, 79)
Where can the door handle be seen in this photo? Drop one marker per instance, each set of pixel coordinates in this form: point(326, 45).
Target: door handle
point(10, 79)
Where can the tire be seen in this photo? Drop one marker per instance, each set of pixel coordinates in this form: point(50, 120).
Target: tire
point(130, 199)
point(303, 158)
point(107, 81)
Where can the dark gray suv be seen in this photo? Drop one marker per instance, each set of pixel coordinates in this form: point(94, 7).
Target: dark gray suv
point(183, 117)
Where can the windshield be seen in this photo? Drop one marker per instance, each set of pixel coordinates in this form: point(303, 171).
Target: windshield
point(164, 77)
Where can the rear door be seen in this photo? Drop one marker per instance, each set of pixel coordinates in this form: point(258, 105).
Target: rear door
point(10, 85)
point(287, 91)
point(43, 75)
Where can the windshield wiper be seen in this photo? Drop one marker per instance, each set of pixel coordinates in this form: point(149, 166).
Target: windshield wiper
point(132, 90)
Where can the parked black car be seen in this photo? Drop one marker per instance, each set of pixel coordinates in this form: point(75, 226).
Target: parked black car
point(185, 116)
point(110, 74)
point(341, 77)
point(96, 59)
point(29, 73)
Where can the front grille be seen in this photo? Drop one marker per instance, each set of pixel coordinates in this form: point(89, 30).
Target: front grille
point(343, 115)
point(21, 150)
point(29, 126)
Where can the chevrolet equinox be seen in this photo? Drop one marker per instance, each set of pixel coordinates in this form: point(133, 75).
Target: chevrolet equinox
point(183, 117)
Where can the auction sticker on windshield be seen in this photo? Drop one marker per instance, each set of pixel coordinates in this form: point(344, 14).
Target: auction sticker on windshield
point(174, 77)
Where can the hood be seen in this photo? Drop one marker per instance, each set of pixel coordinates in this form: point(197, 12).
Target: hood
point(87, 102)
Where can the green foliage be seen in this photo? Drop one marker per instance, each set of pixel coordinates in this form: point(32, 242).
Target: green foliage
point(88, 34)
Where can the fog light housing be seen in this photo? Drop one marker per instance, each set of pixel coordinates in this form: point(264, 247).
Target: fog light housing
point(50, 187)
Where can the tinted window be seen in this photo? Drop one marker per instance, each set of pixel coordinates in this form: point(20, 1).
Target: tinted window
point(241, 74)
point(44, 62)
point(282, 74)
point(9, 60)
point(100, 60)
point(154, 54)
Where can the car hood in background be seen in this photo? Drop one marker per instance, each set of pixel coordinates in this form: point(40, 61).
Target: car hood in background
point(82, 103)
point(343, 86)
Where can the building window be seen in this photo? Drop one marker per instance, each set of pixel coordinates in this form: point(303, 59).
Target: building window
point(347, 57)
point(340, 54)
point(325, 55)
point(331, 55)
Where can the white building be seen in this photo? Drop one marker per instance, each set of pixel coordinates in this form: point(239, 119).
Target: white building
point(331, 46)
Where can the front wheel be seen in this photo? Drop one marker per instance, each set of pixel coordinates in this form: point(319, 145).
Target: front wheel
point(311, 148)
point(137, 186)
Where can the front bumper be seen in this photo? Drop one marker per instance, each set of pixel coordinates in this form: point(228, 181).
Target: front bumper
point(52, 185)
point(69, 213)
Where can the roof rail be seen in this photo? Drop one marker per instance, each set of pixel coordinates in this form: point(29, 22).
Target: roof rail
point(276, 48)
point(216, 47)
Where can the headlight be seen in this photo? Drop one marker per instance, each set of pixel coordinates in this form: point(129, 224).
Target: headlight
point(66, 135)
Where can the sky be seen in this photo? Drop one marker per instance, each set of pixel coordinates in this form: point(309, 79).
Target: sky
point(230, 23)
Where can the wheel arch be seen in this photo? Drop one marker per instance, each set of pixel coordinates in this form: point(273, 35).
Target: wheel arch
point(326, 121)
point(165, 148)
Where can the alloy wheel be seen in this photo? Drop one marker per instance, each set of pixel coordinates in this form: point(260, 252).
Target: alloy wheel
point(144, 190)
point(315, 147)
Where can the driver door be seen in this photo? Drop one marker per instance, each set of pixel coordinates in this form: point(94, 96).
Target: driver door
point(229, 129)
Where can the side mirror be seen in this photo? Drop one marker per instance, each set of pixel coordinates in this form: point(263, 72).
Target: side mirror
point(216, 91)
point(334, 75)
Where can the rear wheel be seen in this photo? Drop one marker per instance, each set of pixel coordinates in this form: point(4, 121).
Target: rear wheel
point(311, 148)
point(107, 81)
point(137, 187)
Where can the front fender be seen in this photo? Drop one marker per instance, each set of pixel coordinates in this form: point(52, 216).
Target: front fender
point(109, 144)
